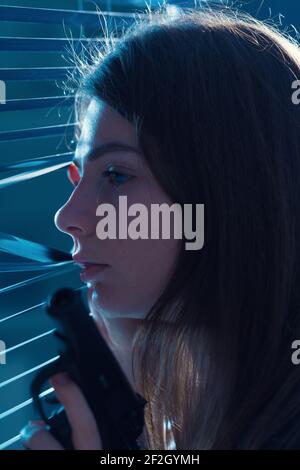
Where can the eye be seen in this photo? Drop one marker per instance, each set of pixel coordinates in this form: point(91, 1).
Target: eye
point(116, 178)
point(73, 174)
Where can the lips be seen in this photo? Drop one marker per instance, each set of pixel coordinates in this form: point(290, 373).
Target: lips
point(92, 272)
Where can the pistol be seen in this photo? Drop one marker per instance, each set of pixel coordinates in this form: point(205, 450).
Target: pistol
point(86, 357)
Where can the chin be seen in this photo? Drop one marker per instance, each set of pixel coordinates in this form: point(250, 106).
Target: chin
point(108, 307)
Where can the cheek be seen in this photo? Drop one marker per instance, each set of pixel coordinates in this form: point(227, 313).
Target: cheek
point(140, 269)
point(140, 272)
point(146, 260)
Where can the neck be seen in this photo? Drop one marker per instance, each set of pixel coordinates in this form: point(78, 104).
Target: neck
point(119, 334)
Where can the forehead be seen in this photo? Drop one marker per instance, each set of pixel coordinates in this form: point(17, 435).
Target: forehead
point(102, 123)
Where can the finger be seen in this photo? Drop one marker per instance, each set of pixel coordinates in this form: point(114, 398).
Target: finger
point(36, 437)
point(85, 434)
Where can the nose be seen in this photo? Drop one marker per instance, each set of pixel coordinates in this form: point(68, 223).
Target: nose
point(75, 217)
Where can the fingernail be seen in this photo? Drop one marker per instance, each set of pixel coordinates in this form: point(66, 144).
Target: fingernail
point(37, 423)
point(60, 379)
point(31, 428)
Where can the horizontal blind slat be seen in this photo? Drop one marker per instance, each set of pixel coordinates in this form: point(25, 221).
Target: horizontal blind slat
point(35, 103)
point(45, 44)
point(35, 73)
point(37, 132)
point(48, 15)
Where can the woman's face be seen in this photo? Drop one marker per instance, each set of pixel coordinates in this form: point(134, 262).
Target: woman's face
point(137, 270)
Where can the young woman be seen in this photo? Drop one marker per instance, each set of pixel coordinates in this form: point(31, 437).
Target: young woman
point(194, 109)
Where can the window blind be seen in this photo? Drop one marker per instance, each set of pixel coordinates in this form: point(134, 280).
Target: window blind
point(36, 133)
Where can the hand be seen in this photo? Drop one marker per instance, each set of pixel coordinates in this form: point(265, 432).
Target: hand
point(85, 435)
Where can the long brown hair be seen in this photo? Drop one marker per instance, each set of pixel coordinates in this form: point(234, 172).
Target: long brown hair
point(209, 92)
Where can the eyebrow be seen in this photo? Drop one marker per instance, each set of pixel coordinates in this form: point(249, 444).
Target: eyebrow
point(105, 148)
